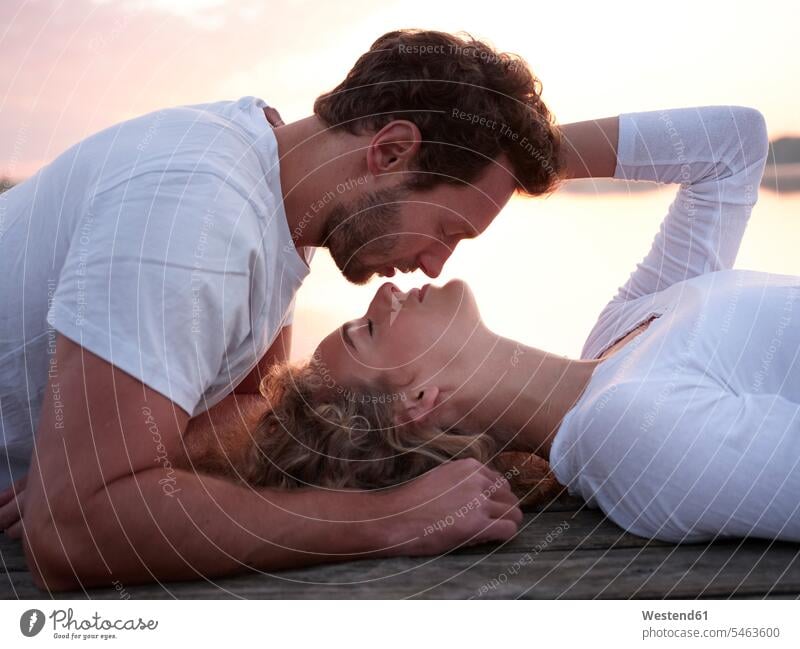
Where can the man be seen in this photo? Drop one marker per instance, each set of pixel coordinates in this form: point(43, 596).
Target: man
point(148, 277)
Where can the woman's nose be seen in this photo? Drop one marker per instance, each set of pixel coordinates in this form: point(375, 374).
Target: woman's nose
point(388, 290)
point(383, 301)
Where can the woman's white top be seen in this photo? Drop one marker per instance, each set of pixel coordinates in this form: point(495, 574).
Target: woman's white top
point(691, 431)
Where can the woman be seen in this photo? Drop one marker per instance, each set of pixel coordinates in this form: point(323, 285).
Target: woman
point(681, 420)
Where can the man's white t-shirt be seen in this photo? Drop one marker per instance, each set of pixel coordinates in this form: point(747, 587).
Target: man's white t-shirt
point(161, 245)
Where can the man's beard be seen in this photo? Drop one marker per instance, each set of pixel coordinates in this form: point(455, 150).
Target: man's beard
point(368, 225)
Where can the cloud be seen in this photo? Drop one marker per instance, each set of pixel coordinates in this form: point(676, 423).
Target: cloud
point(203, 14)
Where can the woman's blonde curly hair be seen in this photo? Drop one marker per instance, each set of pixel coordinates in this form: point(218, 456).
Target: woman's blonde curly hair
point(316, 434)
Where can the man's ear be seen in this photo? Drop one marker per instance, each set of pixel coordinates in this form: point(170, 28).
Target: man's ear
point(416, 407)
point(393, 148)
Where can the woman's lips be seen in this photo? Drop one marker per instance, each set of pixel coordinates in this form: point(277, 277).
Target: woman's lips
point(422, 292)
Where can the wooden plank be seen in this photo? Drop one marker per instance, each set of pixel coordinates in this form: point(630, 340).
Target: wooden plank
point(768, 596)
point(11, 555)
point(751, 569)
point(685, 572)
point(19, 585)
point(541, 531)
point(587, 529)
point(563, 503)
point(556, 554)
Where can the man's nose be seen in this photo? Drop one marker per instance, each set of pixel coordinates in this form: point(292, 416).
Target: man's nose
point(433, 262)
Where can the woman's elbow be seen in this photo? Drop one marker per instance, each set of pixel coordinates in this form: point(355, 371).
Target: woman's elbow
point(751, 126)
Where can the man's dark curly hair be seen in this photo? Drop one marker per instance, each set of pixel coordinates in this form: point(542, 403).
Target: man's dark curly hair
point(470, 103)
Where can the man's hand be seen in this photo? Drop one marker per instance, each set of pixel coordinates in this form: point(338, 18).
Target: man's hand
point(459, 503)
point(11, 501)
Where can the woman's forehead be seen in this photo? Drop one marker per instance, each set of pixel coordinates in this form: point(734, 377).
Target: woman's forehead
point(333, 355)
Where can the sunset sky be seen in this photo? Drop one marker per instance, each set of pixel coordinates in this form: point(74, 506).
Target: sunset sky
point(70, 68)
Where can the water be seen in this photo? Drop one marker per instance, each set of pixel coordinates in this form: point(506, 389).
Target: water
point(546, 267)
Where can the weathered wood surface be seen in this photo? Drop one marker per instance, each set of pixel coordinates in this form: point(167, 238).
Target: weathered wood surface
point(573, 553)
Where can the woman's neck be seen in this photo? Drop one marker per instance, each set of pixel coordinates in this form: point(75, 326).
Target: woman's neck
point(519, 393)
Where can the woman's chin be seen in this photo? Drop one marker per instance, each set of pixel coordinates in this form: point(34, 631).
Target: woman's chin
point(461, 294)
point(458, 285)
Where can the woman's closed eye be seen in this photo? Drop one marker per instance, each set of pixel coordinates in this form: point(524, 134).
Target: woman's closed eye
point(349, 328)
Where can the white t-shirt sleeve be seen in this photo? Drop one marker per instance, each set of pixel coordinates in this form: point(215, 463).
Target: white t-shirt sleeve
point(289, 319)
point(156, 280)
point(308, 253)
point(717, 154)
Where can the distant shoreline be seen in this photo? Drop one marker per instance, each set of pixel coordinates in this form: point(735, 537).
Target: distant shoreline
point(777, 178)
point(780, 175)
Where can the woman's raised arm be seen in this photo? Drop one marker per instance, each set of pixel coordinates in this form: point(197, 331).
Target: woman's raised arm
point(589, 149)
point(717, 154)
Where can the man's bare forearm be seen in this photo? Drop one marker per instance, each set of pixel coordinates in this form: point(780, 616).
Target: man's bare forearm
point(137, 530)
point(218, 440)
point(589, 149)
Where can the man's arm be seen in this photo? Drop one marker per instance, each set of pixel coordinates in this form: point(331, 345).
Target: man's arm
point(104, 500)
point(279, 351)
point(589, 149)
